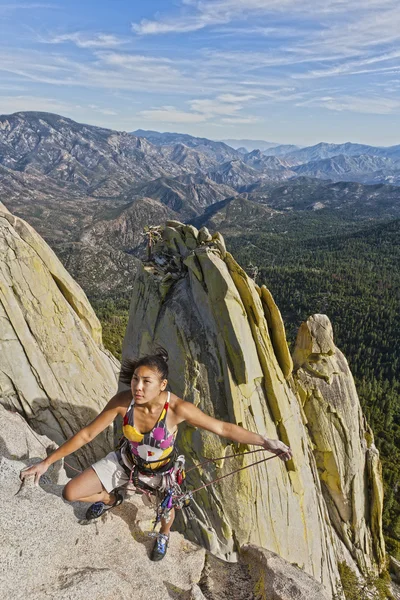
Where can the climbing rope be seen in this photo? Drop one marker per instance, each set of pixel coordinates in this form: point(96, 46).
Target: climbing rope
point(174, 498)
point(232, 472)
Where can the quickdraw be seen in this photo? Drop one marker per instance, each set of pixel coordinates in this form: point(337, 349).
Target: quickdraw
point(173, 494)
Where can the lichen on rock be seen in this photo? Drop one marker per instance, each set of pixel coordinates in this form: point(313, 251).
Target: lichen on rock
point(346, 457)
point(53, 368)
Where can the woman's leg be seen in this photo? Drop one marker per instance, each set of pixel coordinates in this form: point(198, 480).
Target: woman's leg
point(165, 527)
point(87, 487)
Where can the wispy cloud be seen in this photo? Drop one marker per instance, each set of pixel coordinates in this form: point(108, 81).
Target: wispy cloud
point(106, 70)
point(85, 40)
point(221, 62)
point(351, 67)
point(11, 104)
point(25, 6)
point(356, 104)
point(25, 102)
point(102, 111)
point(225, 107)
point(240, 120)
point(169, 114)
point(198, 14)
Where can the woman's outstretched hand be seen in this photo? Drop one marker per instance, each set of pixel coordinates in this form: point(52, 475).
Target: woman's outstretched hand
point(37, 470)
point(279, 448)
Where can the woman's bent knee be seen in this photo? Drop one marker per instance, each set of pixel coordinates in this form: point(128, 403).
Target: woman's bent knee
point(68, 494)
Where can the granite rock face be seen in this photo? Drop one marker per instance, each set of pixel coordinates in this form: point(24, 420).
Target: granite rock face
point(343, 445)
point(49, 552)
point(229, 356)
point(53, 368)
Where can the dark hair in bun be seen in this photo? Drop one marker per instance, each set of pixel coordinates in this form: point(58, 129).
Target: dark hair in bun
point(158, 361)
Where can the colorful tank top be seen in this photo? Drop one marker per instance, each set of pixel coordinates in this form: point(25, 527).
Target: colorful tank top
point(155, 448)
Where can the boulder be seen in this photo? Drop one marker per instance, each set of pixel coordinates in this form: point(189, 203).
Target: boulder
point(276, 579)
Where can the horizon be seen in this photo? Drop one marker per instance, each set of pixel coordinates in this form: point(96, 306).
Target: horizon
point(225, 140)
point(219, 69)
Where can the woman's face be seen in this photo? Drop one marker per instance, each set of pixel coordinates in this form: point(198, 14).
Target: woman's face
point(146, 385)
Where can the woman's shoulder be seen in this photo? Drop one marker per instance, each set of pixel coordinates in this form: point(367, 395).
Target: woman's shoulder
point(174, 400)
point(179, 406)
point(176, 403)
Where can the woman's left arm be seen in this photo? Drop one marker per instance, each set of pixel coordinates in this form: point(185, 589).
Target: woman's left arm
point(185, 411)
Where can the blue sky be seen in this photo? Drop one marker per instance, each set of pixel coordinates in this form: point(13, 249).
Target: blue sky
point(288, 71)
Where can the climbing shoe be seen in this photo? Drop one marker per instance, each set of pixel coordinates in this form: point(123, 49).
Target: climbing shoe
point(160, 547)
point(99, 508)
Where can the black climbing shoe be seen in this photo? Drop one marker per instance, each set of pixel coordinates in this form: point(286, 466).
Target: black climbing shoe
point(160, 547)
point(99, 508)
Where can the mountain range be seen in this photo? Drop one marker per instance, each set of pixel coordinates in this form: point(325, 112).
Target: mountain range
point(90, 191)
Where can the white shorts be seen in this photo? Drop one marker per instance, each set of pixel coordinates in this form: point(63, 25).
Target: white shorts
point(113, 475)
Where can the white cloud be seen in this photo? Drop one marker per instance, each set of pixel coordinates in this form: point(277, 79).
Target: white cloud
point(240, 120)
point(26, 6)
point(224, 108)
point(12, 104)
point(84, 40)
point(170, 114)
point(235, 98)
point(146, 27)
point(357, 33)
point(128, 60)
point(214, 107)
point(351, 67)
point(102, 111)
point(159, 69)
point(198, 14)
point(357, 104)
point(249, 61)
point(107, 71)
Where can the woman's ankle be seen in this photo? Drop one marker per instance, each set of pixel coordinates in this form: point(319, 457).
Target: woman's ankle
point(110, 499)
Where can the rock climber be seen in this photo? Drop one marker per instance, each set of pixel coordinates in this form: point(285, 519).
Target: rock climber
point(151, 416)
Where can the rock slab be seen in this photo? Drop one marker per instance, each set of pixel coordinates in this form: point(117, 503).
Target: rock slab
point(53, 368)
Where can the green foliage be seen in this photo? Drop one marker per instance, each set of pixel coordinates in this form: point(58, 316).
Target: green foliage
point(349, 583)
point(113, 315)
point(393, 547)
point(372, 588)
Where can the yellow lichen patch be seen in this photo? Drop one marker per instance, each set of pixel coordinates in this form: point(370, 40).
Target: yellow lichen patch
point(71, 291)
point(219, 241)
point(191, 234)
point(230, 317)
point(174, 242)
point(193, 264)
point(266, 356)
point(278, 334)
point(375, 475)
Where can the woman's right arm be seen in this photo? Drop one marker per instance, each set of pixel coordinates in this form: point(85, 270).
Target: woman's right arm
point(84, 436)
